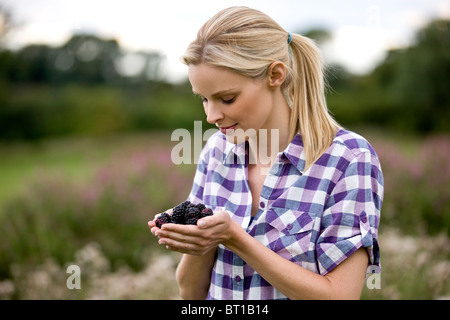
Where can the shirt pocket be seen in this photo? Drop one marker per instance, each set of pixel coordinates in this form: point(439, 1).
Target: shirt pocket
point(290, 235)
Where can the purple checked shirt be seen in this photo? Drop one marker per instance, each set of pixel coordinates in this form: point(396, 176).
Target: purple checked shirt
point(314, 218)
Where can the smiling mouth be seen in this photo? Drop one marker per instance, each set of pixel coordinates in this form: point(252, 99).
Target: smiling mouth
point(229, 129)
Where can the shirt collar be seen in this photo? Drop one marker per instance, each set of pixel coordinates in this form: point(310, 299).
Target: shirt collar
point(234, 153)
point(294, 152)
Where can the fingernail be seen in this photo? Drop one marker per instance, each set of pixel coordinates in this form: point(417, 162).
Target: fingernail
point(201, 223)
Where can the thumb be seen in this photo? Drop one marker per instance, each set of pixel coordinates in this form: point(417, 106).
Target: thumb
point(202, 223)
point(207, 222)
point(210, 221)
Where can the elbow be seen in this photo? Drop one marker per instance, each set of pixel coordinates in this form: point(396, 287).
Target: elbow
point(188, 291)
point(187, 294)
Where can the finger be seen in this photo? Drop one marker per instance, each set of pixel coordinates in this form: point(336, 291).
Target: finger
point(180, 237)
point(152, 223)
point(189, 248)
point(153, 227)
point(154, 231)
point(206, 222)
point(181, 228)
point(211, 221)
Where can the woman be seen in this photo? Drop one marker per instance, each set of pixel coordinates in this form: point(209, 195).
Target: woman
point(296, 198)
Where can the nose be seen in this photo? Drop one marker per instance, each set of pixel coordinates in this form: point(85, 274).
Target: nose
point(213, 113)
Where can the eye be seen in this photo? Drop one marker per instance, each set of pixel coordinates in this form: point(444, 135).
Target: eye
point(228, 100)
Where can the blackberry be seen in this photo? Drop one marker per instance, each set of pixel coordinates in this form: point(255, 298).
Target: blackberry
point(178, 217)
point(201, 206)
point(193, 211)
point(182, 206)
point(162, 219)
point(192, 221)
point(192, 214)
point(178, 213)
point(206, 212)
point(189, 213)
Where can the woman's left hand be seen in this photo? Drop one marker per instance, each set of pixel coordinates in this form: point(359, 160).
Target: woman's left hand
point(197, 239)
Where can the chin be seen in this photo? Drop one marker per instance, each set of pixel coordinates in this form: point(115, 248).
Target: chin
point(239, 136)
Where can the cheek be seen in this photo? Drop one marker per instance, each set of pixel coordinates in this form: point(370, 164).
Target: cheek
point(252, 108)
point(255, 112)
point(249, 106)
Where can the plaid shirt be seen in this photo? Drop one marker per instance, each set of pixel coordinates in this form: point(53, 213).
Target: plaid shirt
point(314, 218)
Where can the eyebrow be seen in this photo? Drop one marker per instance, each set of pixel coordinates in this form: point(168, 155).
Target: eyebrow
point(219, 93)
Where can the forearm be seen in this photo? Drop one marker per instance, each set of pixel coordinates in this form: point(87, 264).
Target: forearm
point(193, 275)
point(293, 280)
point(345, 281)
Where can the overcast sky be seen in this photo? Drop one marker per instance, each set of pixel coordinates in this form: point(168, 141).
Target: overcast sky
point(362, 30)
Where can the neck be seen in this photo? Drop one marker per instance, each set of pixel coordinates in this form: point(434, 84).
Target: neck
point(271, 139)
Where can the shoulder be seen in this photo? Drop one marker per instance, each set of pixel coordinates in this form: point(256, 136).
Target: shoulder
point(353, 143)
point(353, 148)
point(350, 152)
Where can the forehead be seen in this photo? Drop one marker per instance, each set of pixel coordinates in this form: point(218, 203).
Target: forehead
point(208, 80)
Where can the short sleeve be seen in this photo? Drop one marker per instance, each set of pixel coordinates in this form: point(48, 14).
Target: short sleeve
point(352, 215)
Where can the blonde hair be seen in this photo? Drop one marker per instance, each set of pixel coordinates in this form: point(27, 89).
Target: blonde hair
point(247, 42)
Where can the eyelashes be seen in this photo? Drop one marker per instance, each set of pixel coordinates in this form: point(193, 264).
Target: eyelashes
point(227, 101)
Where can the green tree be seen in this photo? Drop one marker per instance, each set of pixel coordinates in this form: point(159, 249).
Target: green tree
point(6, 23)
point(417, 79)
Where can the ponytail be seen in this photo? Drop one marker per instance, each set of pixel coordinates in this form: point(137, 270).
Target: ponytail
point(247, 41)
point(309, 115)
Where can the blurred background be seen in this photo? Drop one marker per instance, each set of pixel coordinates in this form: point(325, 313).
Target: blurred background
point(90, 92)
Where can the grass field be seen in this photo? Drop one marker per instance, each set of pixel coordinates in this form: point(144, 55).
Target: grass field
point(86, 200)
point(75, 158)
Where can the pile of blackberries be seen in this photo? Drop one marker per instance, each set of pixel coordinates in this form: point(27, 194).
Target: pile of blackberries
point(184, 213)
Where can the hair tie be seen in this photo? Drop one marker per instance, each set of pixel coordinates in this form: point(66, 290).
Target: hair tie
point(290, 38)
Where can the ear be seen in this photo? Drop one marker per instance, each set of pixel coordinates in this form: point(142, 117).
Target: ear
point(276, 74)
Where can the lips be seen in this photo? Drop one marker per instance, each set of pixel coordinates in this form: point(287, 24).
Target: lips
point(229, 129)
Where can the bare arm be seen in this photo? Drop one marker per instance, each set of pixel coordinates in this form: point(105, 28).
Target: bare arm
point(194, 275)
point(343, 282)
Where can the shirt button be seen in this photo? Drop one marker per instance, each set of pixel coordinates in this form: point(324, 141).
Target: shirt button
point(262, 204)
point(289, 226)
point(237, 278)
point(363, 219)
